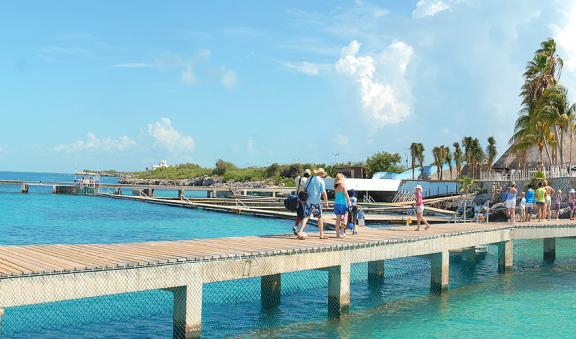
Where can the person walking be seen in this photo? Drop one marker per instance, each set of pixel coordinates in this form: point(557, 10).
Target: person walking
point(571, 202)
point(558, 203)
point(523, 207)
point(511, 201)
point(529, 202)
point(549, 192)
point(419, 208)
point(341, 203)
point(301, 182)
point(316, 190)
point(541, 201)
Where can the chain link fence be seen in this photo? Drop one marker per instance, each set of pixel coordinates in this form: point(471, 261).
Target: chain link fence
point(236, 308)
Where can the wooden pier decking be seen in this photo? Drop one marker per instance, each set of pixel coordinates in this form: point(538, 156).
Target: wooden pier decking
point(33, 274)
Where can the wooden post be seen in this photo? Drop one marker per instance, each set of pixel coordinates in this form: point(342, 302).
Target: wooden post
point(375, 273)
point(270, 290)
point(273, 194)
point(440, 269)
point(245, 192)
point(549, 249)
point(505, 256)
point(207, 194)
point(187, 311)
point(338, 290)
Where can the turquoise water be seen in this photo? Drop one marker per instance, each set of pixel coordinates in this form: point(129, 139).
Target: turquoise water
point(536, 300)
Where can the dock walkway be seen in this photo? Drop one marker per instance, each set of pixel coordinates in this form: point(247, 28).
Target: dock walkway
point(35, 274)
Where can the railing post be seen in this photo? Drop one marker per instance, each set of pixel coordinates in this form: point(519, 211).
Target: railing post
point(187, 311)
point(505, 256)
point(549, 249)
point(270, 290)
point(440, 268)
point(338, 290)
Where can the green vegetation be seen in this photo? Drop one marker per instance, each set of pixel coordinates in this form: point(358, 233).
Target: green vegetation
point(182, 171)
point(383, 162)
point(466, 184)
point(546, 116)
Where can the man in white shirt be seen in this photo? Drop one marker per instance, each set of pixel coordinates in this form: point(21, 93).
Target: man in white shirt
point(301, 182)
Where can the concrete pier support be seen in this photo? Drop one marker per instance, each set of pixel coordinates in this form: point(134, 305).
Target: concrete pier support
point(375, 272)
point(1, 323)
point(549, 249)
point(187, 312)
point(181, 194)
point(440, 269)
point(270, 290)
point(338, 290)
point(505, 256)
point(273, 194)
point(118, 191)
point(469, 255)
point(148, 192)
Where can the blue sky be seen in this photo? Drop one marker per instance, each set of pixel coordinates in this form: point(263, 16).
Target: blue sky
point(124, 84)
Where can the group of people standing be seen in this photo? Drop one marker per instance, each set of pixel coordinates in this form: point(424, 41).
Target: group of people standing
point(311, 191)
point(537, 200)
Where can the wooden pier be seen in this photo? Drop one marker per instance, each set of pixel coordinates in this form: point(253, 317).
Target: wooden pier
point(36, 274)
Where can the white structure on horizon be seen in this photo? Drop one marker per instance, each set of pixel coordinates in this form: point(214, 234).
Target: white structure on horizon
point(161, 164)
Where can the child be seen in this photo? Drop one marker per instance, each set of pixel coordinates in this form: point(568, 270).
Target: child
point(523, 207)
point(571, 201)
point(558, 203)
point(341, 203)
point(352, 211)
point(529, 202)
point(420, 209)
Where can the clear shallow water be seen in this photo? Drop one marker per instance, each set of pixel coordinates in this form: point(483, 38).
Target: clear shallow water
point(536, 300)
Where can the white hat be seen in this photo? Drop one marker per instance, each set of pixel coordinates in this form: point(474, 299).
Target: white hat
point(308, 171)
point(418, 187)
point(572, 190)
point(320, 171)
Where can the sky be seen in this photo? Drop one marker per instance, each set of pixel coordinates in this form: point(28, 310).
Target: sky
point(124, 84)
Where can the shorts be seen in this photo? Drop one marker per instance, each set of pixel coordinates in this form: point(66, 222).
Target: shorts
point(522, 208)
point(557, 207)
point(529, 204)
point(340, 209)
point(548, 201)
point(314, 210)
point(510, 203)
point(539, 203)
point(419, 208)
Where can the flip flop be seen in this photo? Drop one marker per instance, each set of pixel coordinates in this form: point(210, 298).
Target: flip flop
point(295, 231)
point(323, 237)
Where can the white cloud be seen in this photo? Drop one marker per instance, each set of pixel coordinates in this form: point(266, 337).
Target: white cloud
point(566, 36)
point(187, 76)
point(166, 136)
point(385, 102)
point(250, 146)
point(133, 65)
point(342, 140)
point(303, 67)
point(229, 77)
point(426, 8)
point(93, 143)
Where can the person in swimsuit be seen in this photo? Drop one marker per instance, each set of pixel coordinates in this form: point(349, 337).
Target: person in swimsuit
point(523, 207)
point(511, 201)
point(558, 203)
point(541, 201)
point(341, 203)
point(419, 208)
point(549, 192)
point(529, 202)
point(571, 202)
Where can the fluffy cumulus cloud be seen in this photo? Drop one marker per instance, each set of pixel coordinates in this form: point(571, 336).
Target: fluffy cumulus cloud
point(384, 91)
point(426, 8)
point(169, 138)
point(94, 143)
point(565, 35)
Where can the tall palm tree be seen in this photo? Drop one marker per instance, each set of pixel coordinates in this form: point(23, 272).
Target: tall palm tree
point(556, 109)
point(467, 144)
point(414, 148)
point(420, 158)
point(491, 152)
point(438, 161)
point(457, 158)
point(448, 159)
point(477, 155)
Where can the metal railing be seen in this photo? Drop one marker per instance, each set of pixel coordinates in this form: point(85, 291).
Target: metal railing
point(528, 174)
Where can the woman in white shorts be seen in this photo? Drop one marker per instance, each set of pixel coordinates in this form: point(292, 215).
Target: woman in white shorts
point(511, 201)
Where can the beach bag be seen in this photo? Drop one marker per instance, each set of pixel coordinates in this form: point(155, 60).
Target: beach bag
point(291, 202)
point(303, 196)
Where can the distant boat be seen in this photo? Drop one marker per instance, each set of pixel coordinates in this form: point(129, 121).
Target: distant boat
point(88, 182)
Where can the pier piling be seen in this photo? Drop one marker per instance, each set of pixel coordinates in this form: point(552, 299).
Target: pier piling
point(338, 290)
point(440, 268)
point(469, 255)
point(549, 249)
point(505, 256)
point(187, 311)
point(270, 290)
point(375, 273)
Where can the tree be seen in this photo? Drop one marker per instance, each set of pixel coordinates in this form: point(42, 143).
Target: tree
point(477, 155)
point(414, 148)
point(491, 152)
point(421, 158)
point(467, 145)
point(457, 158)
point(437, 152)
point(272, 170)
point(383, 162)
point(222, 167)
point(448, 159)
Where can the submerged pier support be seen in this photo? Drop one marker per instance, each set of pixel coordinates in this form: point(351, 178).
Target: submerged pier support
point(505, 256)
point(338, 290)
point(375, 273)
point(187, 311)
point(469, 255)
point(549, 249)
point(270, 290)
point(440, 269)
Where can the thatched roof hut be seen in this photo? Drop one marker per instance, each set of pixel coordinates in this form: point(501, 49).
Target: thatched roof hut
point(510, 160)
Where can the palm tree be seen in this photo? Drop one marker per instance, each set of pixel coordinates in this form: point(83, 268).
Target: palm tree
point(491, 152)
point(414, 148)
point(477, 155)
point(448, 159)
point(421, 158)
point(467, 145)
point(438, 161)
point(457, 158)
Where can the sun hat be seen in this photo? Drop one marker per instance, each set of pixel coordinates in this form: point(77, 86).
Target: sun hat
point(418, 187)
point(319, 171)
point(339, 179)
point(308, 171)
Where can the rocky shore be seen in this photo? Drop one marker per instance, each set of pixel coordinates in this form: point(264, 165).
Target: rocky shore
point(204, 181)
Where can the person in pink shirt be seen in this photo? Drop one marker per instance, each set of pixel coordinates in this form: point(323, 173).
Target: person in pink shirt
point(419, 208)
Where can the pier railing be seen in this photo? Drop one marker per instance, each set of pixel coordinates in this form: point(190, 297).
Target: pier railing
point(528, 174)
